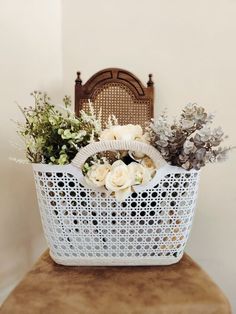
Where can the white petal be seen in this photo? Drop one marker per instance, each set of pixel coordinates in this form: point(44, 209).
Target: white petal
point(118, 163)
point(121, 195)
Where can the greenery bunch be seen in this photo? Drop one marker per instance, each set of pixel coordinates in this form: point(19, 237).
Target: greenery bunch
point(54, 136)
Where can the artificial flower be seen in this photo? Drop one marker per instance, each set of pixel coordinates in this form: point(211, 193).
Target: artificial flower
point(122, 132)
point(139, 174)
point(96, 174)
point(118, 180)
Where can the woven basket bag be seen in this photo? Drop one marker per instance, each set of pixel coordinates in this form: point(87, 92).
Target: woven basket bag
point(85, 226)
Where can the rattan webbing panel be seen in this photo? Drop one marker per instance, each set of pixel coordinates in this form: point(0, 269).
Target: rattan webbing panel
point(119, 92)
point(119, 100)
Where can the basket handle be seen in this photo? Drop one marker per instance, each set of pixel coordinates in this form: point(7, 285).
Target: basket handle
point(113, 145)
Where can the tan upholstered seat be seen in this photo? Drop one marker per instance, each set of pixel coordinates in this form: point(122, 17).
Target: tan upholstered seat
point(182, 288)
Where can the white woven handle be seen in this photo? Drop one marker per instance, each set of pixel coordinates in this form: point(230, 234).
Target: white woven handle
point(114, 145)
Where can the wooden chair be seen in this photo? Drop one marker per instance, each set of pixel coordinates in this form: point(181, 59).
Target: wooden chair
point(180, 288)
point(117, 92)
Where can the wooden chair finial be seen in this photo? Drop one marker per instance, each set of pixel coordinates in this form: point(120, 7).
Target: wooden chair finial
point(78, 80)
point(150, 81)
point(116, 91)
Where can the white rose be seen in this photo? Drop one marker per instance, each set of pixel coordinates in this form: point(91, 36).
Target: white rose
point(121, 195)
point(138, 173)
point(122, 132)
point(97, 173)
point(127, 132)
point(139, 155)
point(149, 164)
point(107, 134)
point(136, 155)
point(118, 180)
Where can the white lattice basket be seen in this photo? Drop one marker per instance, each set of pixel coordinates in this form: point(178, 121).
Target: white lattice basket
point(84, 226)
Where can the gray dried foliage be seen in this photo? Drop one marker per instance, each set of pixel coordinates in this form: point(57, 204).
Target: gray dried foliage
point(189, 142)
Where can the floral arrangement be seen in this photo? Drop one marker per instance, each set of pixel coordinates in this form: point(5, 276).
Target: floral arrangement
point(53, 135)
point(129, 168)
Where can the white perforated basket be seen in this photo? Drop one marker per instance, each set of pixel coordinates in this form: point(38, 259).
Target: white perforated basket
point(84, 226)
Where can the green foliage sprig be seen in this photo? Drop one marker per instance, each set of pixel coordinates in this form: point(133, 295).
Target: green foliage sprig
point(52, 136)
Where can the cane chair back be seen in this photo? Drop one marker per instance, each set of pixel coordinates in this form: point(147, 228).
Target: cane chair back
point(119, 92)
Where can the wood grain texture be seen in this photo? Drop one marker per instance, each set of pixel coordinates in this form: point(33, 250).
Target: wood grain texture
point(116, 91)
point(182, 288)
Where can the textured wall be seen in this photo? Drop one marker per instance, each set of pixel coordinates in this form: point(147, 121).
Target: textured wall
point(190, 48)
point(30, 58)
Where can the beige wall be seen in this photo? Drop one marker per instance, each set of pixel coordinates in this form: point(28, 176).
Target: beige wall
point(190, 48)
point(30, 58)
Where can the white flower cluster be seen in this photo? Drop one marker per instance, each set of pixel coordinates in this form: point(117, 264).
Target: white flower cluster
point(118, 177)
